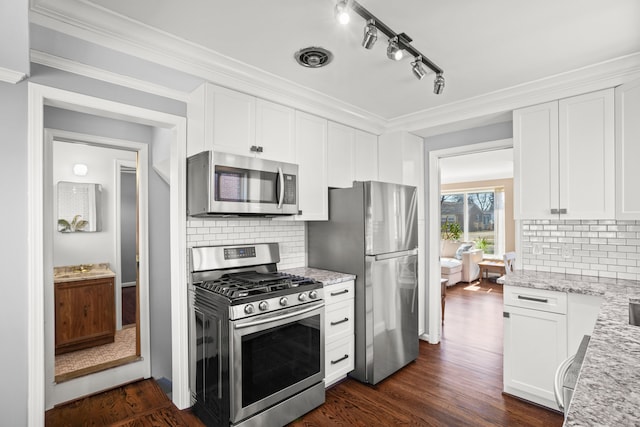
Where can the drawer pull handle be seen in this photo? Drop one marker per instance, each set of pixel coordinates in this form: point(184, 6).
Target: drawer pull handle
point(345, 357)
point(543, 300)
point(344, 291)
point(346, 319)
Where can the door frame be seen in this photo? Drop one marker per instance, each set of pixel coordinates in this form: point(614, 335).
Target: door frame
point(59, 393)
point(433, 213)
point(40, 96)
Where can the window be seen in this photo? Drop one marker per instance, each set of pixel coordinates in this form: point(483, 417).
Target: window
point(479, 215)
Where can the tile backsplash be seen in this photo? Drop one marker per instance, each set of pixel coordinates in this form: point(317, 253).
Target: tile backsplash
point(604, 248)
point(289, 234)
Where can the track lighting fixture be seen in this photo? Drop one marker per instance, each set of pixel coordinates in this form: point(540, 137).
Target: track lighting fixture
point(417, 69)
point(438, 84)
point(393, 50)
point(398, 42)
point(342, 13)
point(370, 34)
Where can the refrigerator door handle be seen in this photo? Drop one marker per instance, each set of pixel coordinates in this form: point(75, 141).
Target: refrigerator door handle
point(390, 255)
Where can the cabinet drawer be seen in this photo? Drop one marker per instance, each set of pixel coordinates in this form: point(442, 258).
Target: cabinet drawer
point(338, 321)
point(339, 360)
point(338, 292)
point(537, 299)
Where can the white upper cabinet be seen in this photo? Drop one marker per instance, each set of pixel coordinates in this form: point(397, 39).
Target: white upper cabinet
point(224, 120)
point(366, 156)
point(275, 131)
point(628, 151)
point(564, 158)
point(341, 155)
point(311, 157)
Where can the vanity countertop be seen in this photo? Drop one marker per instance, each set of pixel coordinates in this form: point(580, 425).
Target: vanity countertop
point(607, 391)
point(325, 276)
point(73, 273)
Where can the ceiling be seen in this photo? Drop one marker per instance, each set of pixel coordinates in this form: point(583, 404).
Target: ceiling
point(482, 46)
point(486, 165)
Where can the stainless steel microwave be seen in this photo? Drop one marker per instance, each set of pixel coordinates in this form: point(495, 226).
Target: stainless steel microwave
point(227, 185)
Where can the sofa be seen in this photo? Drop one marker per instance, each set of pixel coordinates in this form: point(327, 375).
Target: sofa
point(459, 261)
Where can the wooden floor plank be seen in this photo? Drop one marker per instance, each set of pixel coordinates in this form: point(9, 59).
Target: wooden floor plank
point(455, 383)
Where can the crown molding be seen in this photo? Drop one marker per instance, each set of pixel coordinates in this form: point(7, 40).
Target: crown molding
point(11, 76)
point(87, 21)
point(85, 70)
point(583, 80)
point(84, 20)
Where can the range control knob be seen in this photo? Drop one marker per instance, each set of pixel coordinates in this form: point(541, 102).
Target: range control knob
point(302, 297)
point(263, 305)
point(283, 301)
point(248, 308)
point(313, 295)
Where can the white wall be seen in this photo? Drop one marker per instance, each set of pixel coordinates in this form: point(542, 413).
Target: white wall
point(14, 35)
point(13, 254)
point(87, 248)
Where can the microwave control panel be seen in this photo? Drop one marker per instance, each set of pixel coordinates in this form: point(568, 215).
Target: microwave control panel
point(289, 189)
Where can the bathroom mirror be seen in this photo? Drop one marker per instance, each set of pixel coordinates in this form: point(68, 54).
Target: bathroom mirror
point(79, 207)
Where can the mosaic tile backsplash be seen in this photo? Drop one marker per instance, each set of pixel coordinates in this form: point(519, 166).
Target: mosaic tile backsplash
point(604, 248)
point(289, 234)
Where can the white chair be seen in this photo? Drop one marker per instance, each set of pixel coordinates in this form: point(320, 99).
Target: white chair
point(509, 261)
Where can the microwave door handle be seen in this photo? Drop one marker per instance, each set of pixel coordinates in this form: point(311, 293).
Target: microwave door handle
point(281, 182)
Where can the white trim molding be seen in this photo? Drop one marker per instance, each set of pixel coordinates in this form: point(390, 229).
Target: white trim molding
point(74, 67)
point(98, 25)
point(39, 96)
point(433, 213)
point(11, 76)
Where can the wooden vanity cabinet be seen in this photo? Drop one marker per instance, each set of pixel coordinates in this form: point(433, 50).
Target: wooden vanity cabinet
point(84, 314)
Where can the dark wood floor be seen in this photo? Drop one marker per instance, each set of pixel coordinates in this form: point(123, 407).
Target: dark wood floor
point(455, 383)
point(139, 404)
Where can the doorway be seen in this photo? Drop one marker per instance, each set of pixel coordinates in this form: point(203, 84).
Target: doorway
point(435, 158)
point(76, 363)
point(175, 128)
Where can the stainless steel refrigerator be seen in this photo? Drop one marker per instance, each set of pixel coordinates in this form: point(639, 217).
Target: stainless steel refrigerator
point(372, 232)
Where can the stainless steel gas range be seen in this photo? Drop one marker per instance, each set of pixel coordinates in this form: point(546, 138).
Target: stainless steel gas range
point(256, 337)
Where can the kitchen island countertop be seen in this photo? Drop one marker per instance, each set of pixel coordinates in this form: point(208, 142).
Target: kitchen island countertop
point(606, 393)
point(327, 277)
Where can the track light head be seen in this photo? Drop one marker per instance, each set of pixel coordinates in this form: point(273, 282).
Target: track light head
point(342, 12)
point(438, 84)
point(370, 34)
point(418, 70)
point(393, 50)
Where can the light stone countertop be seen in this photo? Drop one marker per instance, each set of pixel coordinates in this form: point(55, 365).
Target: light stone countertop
point(327, 277)
point(608, 389)
point(74, 273)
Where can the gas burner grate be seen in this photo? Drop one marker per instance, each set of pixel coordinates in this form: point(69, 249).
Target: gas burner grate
point(240, 285)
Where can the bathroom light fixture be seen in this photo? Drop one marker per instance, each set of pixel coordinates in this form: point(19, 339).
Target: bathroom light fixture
point(370, 34)
point(393, 50)
point(398, 42)
point(417, 69)
point(80, 169)
point(438, 84)
point(342, 14)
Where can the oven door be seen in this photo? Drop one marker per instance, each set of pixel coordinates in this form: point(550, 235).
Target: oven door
point(274, 357)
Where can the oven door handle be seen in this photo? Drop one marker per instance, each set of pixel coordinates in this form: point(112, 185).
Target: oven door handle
point(281, 181)
point(281, 317)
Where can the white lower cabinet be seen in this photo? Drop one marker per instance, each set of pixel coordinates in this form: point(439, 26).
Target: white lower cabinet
point(339, 331)
point(535, 342)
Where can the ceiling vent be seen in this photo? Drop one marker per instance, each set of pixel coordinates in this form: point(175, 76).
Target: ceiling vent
point(313, 57)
